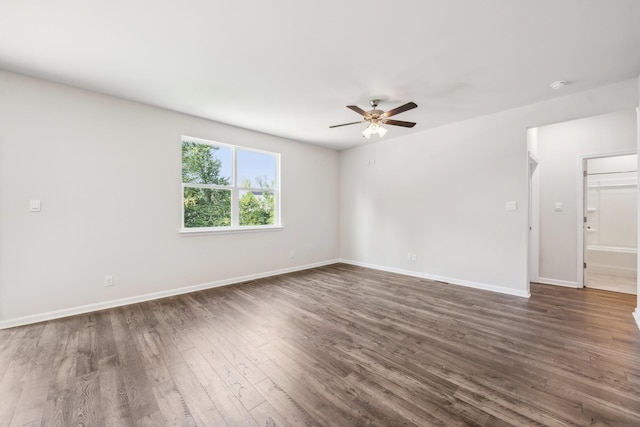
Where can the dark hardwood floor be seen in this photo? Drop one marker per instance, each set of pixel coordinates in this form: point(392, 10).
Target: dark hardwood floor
point(333, 346)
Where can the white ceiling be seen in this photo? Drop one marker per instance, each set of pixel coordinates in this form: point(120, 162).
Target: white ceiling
point(289, 67)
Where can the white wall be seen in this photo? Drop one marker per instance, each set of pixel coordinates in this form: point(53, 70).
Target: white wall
point(559, 147)
point(618, 164)
point(612, 211)
point(107, 172)
point(441, 194)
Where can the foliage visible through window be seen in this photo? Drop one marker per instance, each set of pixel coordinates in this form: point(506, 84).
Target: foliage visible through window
point(228, 186)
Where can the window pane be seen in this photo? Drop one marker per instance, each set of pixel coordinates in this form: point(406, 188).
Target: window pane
point(257, 208)
point(204, 207)
point(256, 170)
point(206, 164)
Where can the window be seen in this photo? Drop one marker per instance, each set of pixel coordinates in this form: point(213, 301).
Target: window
point(225, 187)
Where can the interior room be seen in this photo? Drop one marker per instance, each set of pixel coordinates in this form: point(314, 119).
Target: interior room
point(605, 202)
point(281, 214)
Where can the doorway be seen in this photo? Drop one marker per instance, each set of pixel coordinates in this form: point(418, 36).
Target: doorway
point(610, 212)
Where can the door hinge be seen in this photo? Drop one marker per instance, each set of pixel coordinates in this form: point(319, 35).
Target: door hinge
point(585, 219)
point(585, 265)
point(584, 173)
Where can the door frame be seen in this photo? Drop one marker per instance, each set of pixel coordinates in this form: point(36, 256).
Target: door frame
point(582, 185)
point(533, 221)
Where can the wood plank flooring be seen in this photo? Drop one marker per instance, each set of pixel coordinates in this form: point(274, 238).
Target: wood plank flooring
point(332, 346)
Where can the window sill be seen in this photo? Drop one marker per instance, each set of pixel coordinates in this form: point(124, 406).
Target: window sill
point(188, 232)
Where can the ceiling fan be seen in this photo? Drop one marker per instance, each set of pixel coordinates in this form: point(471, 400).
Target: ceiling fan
point(376, 118)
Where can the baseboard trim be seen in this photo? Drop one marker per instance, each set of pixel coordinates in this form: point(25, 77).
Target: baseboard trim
point(57, 314)
point(636, 315)
point(565, 283)
point(453, 281)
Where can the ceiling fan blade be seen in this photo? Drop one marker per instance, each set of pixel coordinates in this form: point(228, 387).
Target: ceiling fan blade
point(346, 124)
point(398, 123)
point(401, 109)
point(358, 110)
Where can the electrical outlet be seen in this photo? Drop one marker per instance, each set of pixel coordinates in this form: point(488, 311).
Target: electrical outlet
point(291, 254)
point(414, 258)
point(108, 280)
point(409, 256)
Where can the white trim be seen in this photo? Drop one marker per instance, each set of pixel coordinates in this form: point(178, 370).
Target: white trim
point(50, 315)
point(458, 282)
point(187, 232)
point(533, 219)
point(636, 315)
point(566, 283)
point(582, 212)
point(206, 186)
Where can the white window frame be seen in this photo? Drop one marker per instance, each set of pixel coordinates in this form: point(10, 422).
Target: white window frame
point(235, 190)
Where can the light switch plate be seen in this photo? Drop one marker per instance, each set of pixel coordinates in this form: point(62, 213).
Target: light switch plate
point(558, 207)
point(511, 206)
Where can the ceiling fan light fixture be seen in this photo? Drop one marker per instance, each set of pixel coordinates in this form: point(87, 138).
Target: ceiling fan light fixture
point(377, 117)
point(374, 129)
